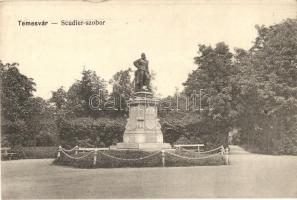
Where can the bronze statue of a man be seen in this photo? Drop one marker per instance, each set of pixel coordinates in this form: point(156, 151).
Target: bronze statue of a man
point(142, 75)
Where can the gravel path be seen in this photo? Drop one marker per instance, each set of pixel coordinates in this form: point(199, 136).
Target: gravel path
point(249, 175)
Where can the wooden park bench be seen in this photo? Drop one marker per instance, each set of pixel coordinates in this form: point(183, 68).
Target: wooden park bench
point(6, 152)
point(180, 146)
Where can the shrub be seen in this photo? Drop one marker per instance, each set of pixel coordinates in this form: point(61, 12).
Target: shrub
point(206, 159)
point(36, 152)
point(88, 132)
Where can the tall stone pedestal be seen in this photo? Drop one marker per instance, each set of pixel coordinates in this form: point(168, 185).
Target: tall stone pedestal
point(143, 130)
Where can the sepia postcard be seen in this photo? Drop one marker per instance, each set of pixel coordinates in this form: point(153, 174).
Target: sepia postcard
point(158, 99)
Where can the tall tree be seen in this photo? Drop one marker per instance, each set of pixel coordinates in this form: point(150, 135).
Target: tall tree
point(90, 89)
point(272, 83)
point(212, 79)
point(59, 98)
point(16, 90)
point(23, 117)
point(122, 88)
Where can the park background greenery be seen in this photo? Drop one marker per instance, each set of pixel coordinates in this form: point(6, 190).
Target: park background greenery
point(253, 91)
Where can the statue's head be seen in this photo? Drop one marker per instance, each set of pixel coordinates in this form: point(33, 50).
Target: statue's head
point(143, 56)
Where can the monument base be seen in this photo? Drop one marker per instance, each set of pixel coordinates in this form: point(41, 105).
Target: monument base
point(141, 146)
point(143, 129)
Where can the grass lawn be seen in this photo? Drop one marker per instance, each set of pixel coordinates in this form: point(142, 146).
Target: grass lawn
point(249, 175)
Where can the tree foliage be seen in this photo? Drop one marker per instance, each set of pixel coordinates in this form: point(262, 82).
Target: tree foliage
point(122, 88)
point(90, 91)
point(268, 82)
point(90, 132)
point(212, 80)
point(25, 119)
point(254, 91)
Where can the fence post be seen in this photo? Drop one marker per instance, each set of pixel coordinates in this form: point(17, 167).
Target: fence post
point(95, 157)
point(59, 151)
point(163, 157)
point(76, 149)
point(227, 156)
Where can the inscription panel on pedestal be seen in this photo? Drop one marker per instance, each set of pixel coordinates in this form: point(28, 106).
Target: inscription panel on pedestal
point(133, 113)
point(132, 121)
point(150, 118)
point(140, 112)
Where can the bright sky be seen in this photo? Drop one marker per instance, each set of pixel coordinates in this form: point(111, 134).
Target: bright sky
point(167, 31)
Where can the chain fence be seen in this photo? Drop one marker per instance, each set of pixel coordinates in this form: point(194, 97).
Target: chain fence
point(76, 158)
point(130, 159)
point(201, 152)
point(193, 158)
point(164, 152)
point(70, 150)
